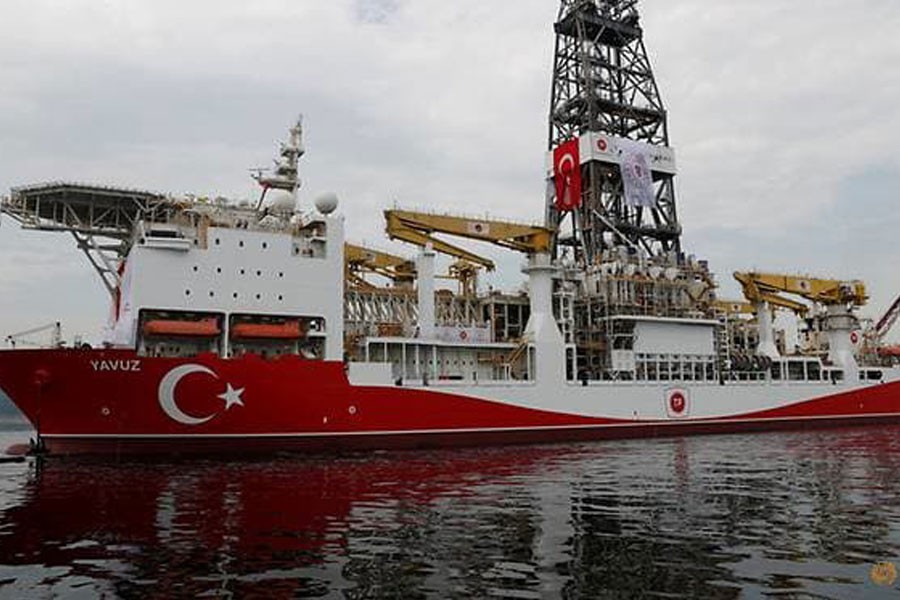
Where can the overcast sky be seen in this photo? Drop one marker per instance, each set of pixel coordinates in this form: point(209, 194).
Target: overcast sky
point(785, 116)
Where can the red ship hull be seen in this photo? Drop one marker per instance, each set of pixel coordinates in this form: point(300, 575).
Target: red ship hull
point(117, 402)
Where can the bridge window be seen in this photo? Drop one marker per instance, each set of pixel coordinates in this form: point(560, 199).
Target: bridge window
point(874, 375)
point(796, 371)
point(813, 371)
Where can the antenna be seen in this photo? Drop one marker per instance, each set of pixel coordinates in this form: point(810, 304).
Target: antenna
point(284, 175)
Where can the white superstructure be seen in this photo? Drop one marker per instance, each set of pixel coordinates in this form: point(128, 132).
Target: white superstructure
point(289, 269)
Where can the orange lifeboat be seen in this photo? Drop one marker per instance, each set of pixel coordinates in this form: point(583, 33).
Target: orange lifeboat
point(171, 328)
point(289, 330)
point(891, 351)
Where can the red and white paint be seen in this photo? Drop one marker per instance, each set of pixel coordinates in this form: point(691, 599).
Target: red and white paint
point(245, 405)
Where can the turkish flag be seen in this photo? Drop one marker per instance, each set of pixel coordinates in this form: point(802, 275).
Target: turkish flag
point(567, 175)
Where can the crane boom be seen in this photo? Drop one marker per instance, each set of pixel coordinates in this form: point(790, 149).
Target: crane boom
point(419, 228)
point(767, 287)
point(734, 307)
point(358, 260)
point(887, 321)
point(742, 307)
point(54, 328)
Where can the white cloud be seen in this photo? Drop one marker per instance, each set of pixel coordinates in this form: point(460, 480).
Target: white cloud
point(774, 107)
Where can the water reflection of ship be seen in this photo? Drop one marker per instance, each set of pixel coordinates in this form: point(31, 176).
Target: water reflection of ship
point(281, 522)
point(568, 521)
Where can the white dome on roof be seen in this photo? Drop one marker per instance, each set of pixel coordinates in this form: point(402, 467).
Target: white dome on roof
point(327, 203)
point(281, 200)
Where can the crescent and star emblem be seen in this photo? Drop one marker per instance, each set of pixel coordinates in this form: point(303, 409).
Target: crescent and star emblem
point(566, 167)
point(567, 164)
point(231, 396)
point(678, 403)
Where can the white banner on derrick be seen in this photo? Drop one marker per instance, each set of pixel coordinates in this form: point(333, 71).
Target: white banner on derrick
point(636, 176)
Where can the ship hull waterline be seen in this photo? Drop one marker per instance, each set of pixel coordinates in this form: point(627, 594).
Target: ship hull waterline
point(343, 442)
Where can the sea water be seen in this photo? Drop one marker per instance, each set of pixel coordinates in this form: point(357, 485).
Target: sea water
point(795, 515)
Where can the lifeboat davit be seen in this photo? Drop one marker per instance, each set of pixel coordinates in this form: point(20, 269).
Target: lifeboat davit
point(891, 351)
point(173, 328)
point(289, 330)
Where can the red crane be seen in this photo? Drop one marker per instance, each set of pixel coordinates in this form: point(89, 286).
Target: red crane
point(882, 328)
point(887, 321)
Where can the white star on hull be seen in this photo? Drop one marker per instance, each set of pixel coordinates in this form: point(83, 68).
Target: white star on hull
point(232, 396)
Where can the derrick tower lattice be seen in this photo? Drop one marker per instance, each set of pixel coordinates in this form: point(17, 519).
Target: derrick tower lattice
point(604, 88)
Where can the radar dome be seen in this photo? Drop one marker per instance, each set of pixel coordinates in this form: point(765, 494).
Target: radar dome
point(281, 200)
point(327, 203)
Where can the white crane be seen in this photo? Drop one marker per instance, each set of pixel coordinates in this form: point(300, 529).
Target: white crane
point(22, 337)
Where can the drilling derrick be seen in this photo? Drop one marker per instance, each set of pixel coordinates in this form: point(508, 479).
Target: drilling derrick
point(611, 202)
point(604, 94)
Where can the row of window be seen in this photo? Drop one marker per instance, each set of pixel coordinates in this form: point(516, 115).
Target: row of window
point(307, 251)
point(273, 350)
point(263, 245)
point(378, 356)
point(798, 370)
point(177, 351)
point(259, 272)
point(235, 295)
point(675, 371)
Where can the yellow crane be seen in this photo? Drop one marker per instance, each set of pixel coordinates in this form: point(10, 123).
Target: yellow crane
point(734, 307)
point(743, 307)
point(466, 273)
point(770, 287)
point(359, 261)
point(419, 228)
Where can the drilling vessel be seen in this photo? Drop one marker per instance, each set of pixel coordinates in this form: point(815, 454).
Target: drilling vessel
point(256, 327)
